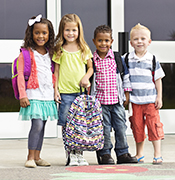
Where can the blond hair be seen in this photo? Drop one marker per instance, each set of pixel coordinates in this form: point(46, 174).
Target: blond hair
point(140, 27)
point(60, 41)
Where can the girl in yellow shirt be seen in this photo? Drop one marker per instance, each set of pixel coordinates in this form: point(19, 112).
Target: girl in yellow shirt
point(71, 55)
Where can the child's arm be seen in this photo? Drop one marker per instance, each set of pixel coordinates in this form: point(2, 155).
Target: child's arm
point(126, 83)
point(57, 96)
point(126, 102)
point(85, 80)
point(158, 102)
point(24, 102)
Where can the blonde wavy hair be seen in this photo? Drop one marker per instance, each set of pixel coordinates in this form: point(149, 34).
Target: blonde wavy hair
point(140, 27)
point(60, 41)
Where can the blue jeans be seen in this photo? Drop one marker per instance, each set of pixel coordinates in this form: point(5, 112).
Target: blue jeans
point(114, 117)
point(36, 134)
point(66, 101)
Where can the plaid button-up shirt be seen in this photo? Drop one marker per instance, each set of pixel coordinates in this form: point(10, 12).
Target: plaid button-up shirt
point(106, 81)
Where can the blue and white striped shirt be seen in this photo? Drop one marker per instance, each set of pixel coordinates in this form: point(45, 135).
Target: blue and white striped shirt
point(140, 71)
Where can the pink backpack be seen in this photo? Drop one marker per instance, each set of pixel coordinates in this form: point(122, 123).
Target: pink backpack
point(27, 71)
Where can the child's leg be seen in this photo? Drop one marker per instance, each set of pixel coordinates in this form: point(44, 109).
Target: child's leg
point(139, 151)
point(72, 159)
point(37, 155)
point(157, 150)
point(155, 131)
point(138, 128)
point(119, 126)
point(35, 142)
point(66, 151)
point(35, 139)
point(40, 142)
point(31, 154)
point(66, 101)
point(104, 155)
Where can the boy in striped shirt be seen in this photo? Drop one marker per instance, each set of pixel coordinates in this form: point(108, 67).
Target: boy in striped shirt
point(146, 95)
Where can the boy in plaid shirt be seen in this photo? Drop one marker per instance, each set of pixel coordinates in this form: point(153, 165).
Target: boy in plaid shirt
point(107, 86)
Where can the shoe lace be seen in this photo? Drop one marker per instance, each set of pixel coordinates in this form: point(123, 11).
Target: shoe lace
point(79, 156)
point(73, 157)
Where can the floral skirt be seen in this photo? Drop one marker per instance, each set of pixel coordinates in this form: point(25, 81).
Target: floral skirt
point(39, 109)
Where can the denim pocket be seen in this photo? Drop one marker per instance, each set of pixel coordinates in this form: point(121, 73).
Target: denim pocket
point(159, 129)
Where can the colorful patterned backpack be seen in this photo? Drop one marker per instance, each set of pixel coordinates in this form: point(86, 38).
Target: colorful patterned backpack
point(84, 129)
point(27, 71)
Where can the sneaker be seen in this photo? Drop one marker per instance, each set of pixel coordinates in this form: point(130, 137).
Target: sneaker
point(73, 160)
point(81, 160)
point(126, 158)
point(107, 159)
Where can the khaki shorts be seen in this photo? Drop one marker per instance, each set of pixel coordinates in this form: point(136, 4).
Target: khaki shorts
point(146, 115)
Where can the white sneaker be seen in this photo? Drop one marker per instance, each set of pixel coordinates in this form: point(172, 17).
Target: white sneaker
point(73, 160)
point(81, 160)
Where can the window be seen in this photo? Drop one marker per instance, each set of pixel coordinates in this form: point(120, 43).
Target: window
point(168, 85)
point(15, 14)
point(7, 101)
point(92, 14)
point(157, 15)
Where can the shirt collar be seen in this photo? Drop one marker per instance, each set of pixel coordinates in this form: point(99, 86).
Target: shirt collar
point(110, 54)
point(147, 56)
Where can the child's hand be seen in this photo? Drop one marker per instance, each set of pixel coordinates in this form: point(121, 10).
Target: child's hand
point(158, 85)
point(84, 82)
point(57, 96)
point(24, 102)
point(126, 102)
point(158, 103)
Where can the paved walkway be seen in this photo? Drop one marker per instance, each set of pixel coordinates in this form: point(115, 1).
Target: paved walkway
point(13, 154)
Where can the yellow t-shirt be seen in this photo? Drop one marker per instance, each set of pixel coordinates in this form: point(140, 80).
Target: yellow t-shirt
point(71, 71)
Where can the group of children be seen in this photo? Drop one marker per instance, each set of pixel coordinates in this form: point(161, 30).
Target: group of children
point(71, 53)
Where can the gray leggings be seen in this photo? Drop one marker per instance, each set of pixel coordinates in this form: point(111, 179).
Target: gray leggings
point(36, 134)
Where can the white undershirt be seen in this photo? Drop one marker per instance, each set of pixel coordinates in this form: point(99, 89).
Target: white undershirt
point(45, 90)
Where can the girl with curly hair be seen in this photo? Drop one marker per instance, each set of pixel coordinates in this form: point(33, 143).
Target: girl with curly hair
point(37, 101)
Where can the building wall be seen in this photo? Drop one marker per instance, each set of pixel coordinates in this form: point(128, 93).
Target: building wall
point(10, 127)
point(163, 50)
point(14, 18)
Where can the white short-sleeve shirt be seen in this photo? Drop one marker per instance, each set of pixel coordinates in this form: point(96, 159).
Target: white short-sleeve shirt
point(44, 74)
point(140, 70)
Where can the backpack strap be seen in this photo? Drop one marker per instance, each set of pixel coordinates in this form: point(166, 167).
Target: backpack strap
point(153, 66)
point(27, 63)
point(154, 63)
point(93, 64)
point(52, 66)
point(119, 64)
point(126, 60)
point(91, 78)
